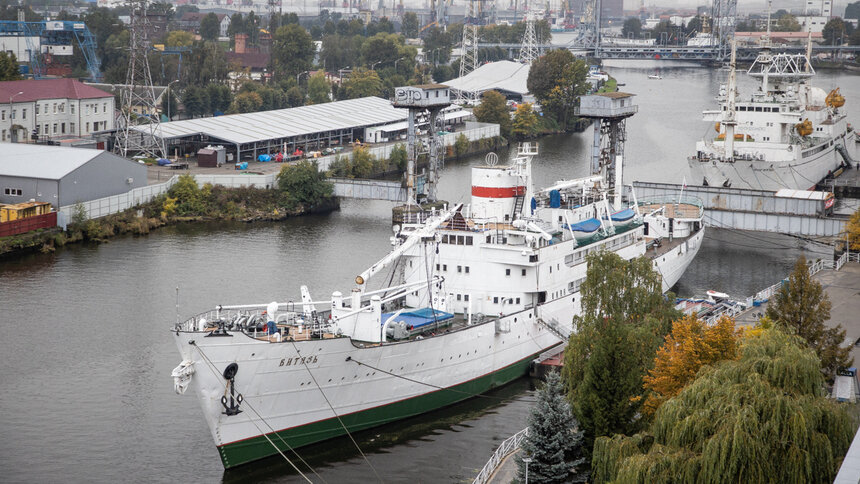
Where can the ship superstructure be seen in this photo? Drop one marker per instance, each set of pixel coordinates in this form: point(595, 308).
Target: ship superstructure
point(786, 134)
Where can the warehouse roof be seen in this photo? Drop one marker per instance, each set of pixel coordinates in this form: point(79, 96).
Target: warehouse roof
point(503, 76)
point(41, 161)
point(287, 123)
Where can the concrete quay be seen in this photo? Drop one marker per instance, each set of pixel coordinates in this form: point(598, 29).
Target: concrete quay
point(843, 290)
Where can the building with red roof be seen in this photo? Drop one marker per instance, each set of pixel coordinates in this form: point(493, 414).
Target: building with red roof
point(53, 109)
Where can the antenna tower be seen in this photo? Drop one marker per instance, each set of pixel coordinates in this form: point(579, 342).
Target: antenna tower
point(529, 50)
point(138, 92)
point(469, 60)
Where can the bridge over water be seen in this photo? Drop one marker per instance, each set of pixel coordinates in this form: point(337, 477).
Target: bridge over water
point(703, 54)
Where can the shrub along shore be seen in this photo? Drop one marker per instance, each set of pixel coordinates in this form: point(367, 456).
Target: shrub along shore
point(301, 190)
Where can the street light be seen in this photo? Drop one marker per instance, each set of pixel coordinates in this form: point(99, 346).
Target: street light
point(340, 73)
point(395, 64)
point(12, 115)
point(526, 461)
point(300, 75)
point(374, 64)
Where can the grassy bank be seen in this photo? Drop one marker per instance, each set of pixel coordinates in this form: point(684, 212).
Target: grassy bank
point(301, 190)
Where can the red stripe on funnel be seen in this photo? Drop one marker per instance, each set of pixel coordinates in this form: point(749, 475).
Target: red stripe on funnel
point(498, 192)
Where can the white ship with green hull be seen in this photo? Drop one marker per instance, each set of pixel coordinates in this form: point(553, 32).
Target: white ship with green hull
point(482, 290)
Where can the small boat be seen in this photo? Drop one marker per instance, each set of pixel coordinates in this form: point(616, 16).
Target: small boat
point(655, 76)
point(585, 229)
point(715, 296)
point(623, 218)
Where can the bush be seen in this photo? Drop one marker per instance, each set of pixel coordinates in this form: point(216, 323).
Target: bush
point(304, 183)
point(399, 157)
point(461, 145)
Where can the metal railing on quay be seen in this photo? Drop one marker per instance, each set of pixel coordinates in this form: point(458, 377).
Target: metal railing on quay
point(509, 445)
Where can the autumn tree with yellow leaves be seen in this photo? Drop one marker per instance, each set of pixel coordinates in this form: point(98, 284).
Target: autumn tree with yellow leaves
point(691, 345)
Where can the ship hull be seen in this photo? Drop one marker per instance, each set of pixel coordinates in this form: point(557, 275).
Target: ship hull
point(300, 393)
point(674, 263)
point(801, 174)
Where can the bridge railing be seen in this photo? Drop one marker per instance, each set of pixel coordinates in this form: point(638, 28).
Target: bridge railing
point(509, 445)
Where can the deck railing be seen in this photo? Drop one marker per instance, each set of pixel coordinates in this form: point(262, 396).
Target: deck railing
point(511, 444)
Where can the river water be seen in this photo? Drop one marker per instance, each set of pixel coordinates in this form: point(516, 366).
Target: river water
point(86, 354)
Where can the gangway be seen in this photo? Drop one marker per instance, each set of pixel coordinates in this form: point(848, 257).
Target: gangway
point(369, 189)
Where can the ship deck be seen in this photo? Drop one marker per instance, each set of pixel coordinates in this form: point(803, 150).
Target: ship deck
point(674, 210)
point(654, 251)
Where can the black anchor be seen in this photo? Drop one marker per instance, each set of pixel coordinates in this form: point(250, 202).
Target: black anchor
point(235, 400)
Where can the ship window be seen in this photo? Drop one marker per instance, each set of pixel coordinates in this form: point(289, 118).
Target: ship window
point(445, 267)
point(518, 300)
point(496, 300)
point(437, 267)
point(461, 240)
point(459, 297)
point(467, 269)
point(459, 268)
point(507, 272)
point(444, 239)
point(465, 297)
point(469, 240)
point(524, 273)
point(550, 269)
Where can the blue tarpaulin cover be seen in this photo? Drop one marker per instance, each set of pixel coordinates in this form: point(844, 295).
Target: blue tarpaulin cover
point(419, 317)
point(589, 225)
point(623, 215)
point(163, 162)
point(554, 199)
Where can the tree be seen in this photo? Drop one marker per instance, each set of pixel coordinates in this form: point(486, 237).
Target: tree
point(853, 229)
point(409, 27)
point(220, 97)
point(801, 307)
point(694, 25)
point(293, 51)
point(632, 26)
point(437, 45)
point(494, 109)
point(179, 38)
point(295, 97)
point(525, 124)
point(210, 27)
point(442, 73)
point(319, 89)
point(787, 23)
point(624, 319)
point(304, 183)
point(557, 79)
point(761, 418)
point(691, 345)
point(852, 10)
point(554, 443)
point(196, 101)
point(246, 102)
point(363, 83)
point(461, 145)
point(835, 31)
point(9, 67)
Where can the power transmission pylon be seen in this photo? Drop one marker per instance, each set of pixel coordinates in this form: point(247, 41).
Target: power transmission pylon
point(138, 93)
point(469, 59)
point(529, 50)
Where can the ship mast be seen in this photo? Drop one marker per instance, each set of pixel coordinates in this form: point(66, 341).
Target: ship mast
point(729, 121)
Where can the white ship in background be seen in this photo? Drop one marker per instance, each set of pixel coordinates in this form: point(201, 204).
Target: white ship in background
point(465, 301)
point(787, 134)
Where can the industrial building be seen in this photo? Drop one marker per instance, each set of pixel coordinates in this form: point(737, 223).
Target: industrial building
point(306, 128)
point(64, 176)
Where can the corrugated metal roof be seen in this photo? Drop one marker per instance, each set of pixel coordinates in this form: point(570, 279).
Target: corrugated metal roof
point(503, 75)
point(40, 161)
point(286, 123)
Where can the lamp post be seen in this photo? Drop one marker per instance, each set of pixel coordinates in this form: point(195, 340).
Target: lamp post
point(527, 461)
point(170, 99)
point(374, 64)
point(12, 129)
point(340, 73)
point(300, 75)
point(395, 64)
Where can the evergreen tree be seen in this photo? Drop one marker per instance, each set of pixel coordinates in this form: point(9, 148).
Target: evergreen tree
point(9, 67)
point(554, 443)
point(801, 307)
point(761, 418)
point(210, 27)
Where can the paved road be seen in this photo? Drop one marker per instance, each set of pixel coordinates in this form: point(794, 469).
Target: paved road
point(507, 470)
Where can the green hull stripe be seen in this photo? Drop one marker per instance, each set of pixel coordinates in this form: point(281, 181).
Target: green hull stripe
point(254, 448)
